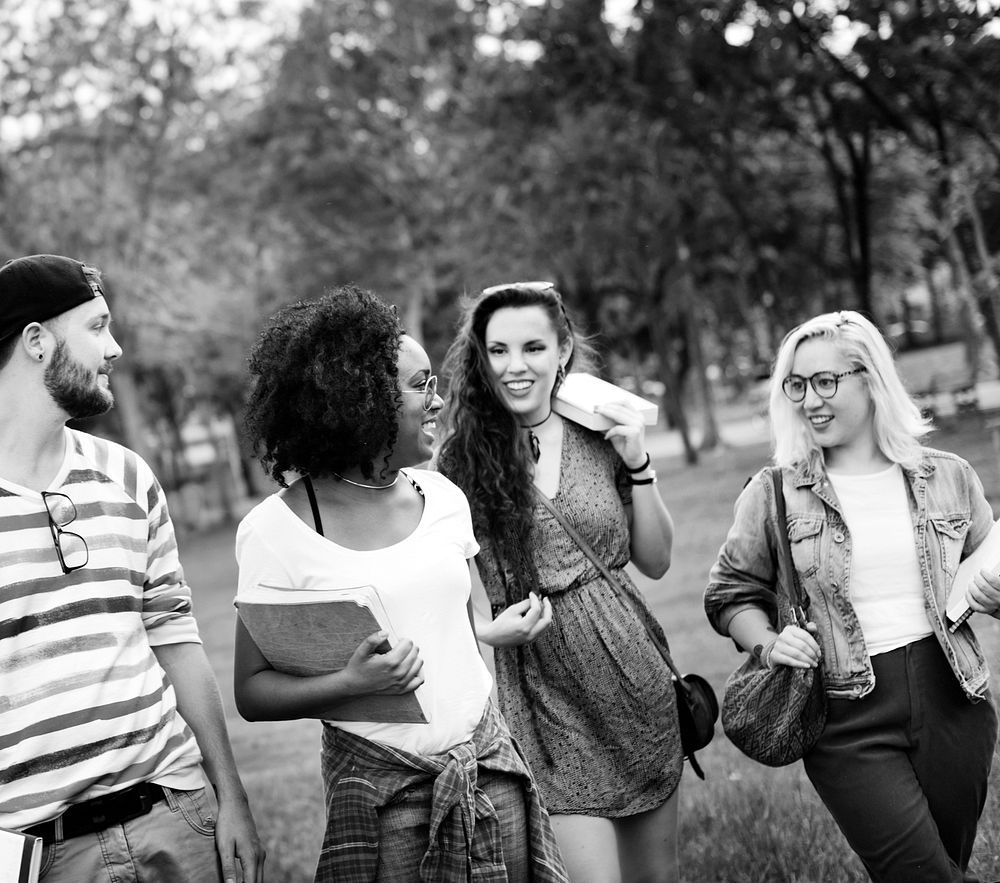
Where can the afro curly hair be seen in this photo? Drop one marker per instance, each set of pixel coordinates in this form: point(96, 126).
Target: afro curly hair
point(324, 386)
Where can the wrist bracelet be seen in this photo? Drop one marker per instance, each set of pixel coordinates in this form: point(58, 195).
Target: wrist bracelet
point(640, 468)
point(763, 652)
point(650, 480)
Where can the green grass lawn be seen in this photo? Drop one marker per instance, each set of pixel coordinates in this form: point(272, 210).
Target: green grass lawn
point(745, 823)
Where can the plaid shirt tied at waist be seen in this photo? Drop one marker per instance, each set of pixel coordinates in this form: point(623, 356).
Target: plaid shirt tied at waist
point(360, 776)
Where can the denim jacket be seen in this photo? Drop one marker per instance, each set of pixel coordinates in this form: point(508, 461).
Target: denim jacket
point(951, 517)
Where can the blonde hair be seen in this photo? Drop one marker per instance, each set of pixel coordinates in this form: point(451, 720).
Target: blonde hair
point(898, 424)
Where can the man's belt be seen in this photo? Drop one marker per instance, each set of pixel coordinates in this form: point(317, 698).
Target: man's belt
point(101, 812)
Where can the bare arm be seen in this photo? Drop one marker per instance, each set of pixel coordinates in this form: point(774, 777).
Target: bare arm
point(651, 529)
point(199, 703)
point(518, 624)
point(650, 525)
point(794, 646)
point(265, 694)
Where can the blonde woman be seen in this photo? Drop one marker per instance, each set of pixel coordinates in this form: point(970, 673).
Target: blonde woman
point(877, 525)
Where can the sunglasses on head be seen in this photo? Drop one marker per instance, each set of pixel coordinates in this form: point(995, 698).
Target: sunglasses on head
point(532, 288)
point(536, 287)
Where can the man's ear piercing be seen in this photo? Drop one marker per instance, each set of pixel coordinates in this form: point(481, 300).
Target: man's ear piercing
point(41, 357)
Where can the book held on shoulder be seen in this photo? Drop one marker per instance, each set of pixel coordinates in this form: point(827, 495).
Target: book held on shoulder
point(986, 557)
point(20, 857)
point(579, 394)
point(316, 631)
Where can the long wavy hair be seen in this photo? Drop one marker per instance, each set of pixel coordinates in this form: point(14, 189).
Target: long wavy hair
point(485, 450)
point(325, 387)
point(897, 423)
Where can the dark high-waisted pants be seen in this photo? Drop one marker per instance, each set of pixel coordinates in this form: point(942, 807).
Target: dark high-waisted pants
point(904, 770)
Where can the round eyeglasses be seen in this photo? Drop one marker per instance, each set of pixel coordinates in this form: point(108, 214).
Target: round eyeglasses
point(824, 384)
point(429, 391)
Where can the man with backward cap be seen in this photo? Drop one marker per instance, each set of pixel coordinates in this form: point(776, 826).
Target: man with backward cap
point(110, 717)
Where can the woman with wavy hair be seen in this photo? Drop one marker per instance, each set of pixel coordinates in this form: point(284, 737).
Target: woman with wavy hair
point(579, 680)
point(877, 525)
point(343, 409)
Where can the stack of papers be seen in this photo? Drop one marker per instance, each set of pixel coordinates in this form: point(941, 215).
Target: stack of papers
point(316, 631)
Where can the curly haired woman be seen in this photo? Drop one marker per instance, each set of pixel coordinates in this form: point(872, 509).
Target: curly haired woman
point(584, 689)
point(346, 402)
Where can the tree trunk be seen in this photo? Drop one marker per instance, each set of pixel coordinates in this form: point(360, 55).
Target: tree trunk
point(673, 381)
point(422, 290)
point(934, 294)
point(130, 414)
point(710, 427)
point(675, 409)
point(969, 306)
point(860, 166)
point(987, 295)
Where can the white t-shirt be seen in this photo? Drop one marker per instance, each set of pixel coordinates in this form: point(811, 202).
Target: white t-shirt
point(886, 589)
point(424, 584)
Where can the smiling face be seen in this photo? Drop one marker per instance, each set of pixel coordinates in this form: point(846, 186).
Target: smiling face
point(843, 424)
point(525, 356)
point(77, 375)
point(415, 434)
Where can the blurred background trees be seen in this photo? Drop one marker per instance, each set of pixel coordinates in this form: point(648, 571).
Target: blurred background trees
point(696, 175)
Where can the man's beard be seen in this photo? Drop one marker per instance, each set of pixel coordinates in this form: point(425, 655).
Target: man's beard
point(72, 389)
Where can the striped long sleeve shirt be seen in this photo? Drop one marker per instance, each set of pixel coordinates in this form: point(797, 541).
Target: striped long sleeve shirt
point(85, 709)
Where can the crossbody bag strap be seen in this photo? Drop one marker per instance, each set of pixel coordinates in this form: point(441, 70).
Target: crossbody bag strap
point(311, 491)
point(574, 535)
point(798, 598)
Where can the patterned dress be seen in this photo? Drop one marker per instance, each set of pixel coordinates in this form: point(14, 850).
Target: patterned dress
point(590, 700)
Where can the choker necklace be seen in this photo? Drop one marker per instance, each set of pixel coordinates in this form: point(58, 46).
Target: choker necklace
point(370, 487)
point(536, 449)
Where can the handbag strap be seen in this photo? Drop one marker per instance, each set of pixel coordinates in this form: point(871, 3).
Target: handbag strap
point(314, 505)
point(797, 598)
point(605, 571)
point(311, 491)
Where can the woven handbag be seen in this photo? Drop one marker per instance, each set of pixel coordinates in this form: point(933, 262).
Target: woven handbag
point(775, 715)
point(697, 706)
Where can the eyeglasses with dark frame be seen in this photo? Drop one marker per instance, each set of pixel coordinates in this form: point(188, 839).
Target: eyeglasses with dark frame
point(71, 548)
point(429, 391)
point(824, 384)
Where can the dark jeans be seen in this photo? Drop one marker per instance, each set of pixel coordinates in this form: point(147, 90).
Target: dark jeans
point(904, 770)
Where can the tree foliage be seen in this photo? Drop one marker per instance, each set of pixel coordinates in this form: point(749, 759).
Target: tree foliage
point(697, 175)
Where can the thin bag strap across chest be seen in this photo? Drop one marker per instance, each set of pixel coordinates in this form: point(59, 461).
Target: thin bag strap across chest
point(311, 491)
point(314, 505)
point(605, 571)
